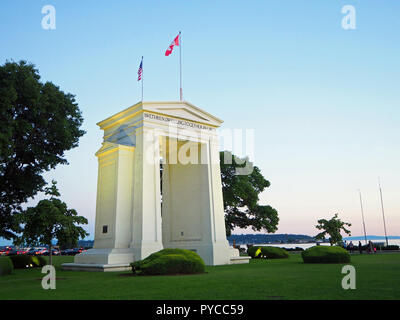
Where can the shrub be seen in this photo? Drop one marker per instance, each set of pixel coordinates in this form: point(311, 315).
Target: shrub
point(6, 266)
point(169, 261)
point(325, 254)
point(267, 253)
point(23, 261)
point(251, 251)
point(274, 253)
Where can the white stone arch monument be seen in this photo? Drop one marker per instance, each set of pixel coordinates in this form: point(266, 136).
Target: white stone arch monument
point(134, 218)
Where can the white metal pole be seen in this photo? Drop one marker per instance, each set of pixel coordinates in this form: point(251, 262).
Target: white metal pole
point(142, 78)
point(180, 66)
point(383, 213)
point(362, 214)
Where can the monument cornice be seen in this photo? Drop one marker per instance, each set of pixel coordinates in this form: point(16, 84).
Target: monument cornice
point(110, 147)
point(163, 108)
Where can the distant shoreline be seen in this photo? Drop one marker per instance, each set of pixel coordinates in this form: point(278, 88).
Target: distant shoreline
point(297, 239)
point(372, 238)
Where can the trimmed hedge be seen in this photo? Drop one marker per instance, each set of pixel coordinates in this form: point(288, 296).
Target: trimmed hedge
point(274, 253)
point(23, 261)
point(267, 252)
point(325, 254)
point(251, 251)
point(6, 266)
point(169, 261)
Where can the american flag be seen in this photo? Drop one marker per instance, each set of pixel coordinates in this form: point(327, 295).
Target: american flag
point(140, 71)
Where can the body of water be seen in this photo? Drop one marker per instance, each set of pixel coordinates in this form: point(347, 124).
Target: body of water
point(309, 245)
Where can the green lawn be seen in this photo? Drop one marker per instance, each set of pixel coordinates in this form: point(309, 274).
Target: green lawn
point(378, 277)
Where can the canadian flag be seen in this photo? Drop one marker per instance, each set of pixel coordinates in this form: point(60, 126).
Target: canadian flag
point(171, 46)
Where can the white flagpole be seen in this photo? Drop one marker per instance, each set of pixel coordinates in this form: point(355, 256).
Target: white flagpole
point(180, 66)
point(383, 212)
point(362, 214)
point(142, 78)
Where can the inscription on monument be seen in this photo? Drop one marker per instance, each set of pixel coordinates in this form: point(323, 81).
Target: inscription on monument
point(179, 123)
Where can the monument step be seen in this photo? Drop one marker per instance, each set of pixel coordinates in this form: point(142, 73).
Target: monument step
point(96, 267)
point(239, 260)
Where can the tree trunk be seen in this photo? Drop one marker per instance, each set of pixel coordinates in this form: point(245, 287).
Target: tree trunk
point(50, 255)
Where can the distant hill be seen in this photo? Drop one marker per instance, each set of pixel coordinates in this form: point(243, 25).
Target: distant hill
point(269, 238)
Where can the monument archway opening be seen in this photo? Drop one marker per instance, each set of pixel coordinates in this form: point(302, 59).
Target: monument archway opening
point(185, 195)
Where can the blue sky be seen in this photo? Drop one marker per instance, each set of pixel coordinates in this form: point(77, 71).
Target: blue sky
point(323, 101)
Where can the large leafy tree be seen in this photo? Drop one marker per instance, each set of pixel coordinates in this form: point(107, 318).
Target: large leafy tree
point(332, 228)
point(51, 219)
point(38, 123)
point(240, 192)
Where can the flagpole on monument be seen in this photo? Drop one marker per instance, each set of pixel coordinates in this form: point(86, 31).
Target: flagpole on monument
point(177, 42)
point(140, 74)
point(142, 78)
point(180, 66)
